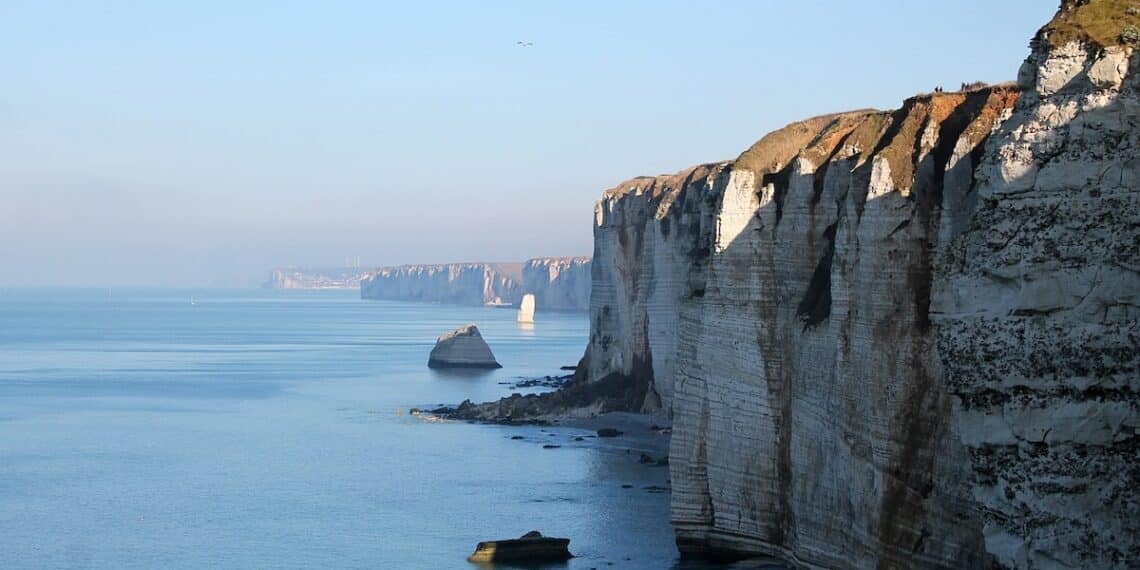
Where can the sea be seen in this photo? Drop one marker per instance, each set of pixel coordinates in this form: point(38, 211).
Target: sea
point(271, 429)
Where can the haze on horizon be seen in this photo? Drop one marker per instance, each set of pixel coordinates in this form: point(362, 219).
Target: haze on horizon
point(204, 143)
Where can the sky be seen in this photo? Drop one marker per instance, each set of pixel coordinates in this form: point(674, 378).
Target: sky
point(200, 144)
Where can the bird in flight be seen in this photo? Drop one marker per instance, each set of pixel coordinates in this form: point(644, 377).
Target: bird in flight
point(524, 44)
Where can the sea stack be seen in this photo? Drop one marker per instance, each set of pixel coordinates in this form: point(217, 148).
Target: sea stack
point(462, 348)
point(526, 309)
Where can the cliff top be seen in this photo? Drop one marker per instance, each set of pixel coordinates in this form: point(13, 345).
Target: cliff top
point(816, 136)
point(892, 135)
point(1101, 23)
point(557, 259)
point(660, 184)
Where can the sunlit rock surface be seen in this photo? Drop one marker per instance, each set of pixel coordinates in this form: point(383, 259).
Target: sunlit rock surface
point(1038, 307)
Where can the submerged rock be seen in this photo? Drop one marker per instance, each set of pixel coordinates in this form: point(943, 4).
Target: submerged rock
point(462, 348)
point(530, 547)
point(609, 432)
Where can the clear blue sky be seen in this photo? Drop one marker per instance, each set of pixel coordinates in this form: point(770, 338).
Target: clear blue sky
point(201, 143)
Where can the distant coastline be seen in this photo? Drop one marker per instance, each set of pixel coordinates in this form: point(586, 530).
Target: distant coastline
point(315, 278)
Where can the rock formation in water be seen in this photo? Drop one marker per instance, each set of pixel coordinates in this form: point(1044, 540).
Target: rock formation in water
point(457, 283)
point(558, 283)
point(315, 278)
point(462, 348)
point(526, 309)
point(899, 339)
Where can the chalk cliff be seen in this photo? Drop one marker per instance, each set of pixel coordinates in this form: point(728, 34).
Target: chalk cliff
point(558, 283)
point(1038, 307)
point(899, 339)
point(458, 283)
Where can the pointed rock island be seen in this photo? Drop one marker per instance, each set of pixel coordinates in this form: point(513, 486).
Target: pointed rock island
point(462, 348)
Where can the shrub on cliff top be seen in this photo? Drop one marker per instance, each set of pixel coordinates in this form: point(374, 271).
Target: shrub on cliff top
point(1130, 35)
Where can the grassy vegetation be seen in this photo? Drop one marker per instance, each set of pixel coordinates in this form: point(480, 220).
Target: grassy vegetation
point(1098, 22)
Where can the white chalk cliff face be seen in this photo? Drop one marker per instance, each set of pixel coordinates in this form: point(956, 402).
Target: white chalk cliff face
point(558, 283)
point(1038, 310)
point(457, 283)
point(896, 339)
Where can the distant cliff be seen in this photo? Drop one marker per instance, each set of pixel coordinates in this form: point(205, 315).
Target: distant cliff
point(558, 283)
point(458, 283)
point(315, 278)
point(900, 339)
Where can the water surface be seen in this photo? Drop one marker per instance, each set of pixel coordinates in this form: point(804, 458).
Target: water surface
point(192, 429)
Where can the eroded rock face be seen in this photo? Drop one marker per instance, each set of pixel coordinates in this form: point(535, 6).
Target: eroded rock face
point(888, 339)
point(1038, 310)
point(558, 283)
point(810, 415)
point(458, 283)
point(462, 348)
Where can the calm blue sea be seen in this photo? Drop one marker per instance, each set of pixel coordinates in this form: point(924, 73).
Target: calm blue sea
point(269, 429)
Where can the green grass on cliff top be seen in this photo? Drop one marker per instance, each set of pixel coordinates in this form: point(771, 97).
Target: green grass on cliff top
point(1097, 22)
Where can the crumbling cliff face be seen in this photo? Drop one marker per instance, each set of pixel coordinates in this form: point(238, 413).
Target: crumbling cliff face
point(898, 339)
point(457, 283)
point(558, 283)
point(1038, 309)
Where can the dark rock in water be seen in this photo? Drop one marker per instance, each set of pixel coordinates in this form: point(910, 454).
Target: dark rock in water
point(530, 547)
point(663, 461)
point(462, 348)
point(627, 486)
point(645, 458)
point(516, 437)
point(551, 446)
point(570, 368)
point(579, 438)
point(609, 432)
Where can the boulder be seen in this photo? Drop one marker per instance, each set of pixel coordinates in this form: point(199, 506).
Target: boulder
point(529, 548)
point(462, 348)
